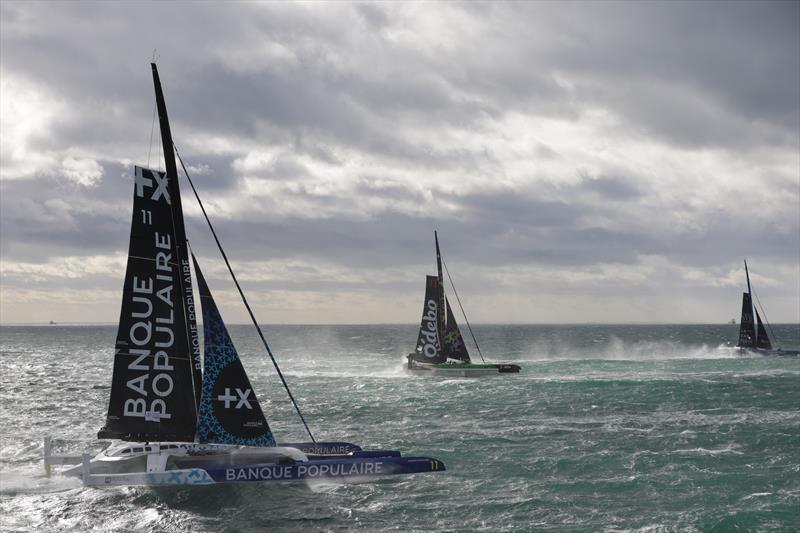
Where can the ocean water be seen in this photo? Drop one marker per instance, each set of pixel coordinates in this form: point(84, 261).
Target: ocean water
point(607, 428)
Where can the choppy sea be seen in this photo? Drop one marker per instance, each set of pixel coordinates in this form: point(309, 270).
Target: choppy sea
point(607, 428)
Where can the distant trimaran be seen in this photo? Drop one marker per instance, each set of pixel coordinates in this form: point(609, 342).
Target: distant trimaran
point(440, 346)
point(173, 421)
point(753, 337)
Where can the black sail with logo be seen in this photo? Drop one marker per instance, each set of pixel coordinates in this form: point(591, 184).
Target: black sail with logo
point(152, 391)
point(229, 410)
point(429, 348)
point(454, 347)
point(747, 328)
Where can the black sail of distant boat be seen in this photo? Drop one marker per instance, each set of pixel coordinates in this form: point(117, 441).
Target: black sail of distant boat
point(762, 339)
point(747, 329)
point(152, 393)
point(429, 346)
point(230, 413)
point(454, 346)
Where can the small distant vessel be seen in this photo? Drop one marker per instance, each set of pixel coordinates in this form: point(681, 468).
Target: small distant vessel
point(52, 323)
point(173, 421)
point(753, 337)
point(440, 346)
point(732, 321)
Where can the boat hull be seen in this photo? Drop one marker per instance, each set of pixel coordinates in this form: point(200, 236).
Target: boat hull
point(777, 352)
point(316, 469)
point(462, 369)
point(170, 464)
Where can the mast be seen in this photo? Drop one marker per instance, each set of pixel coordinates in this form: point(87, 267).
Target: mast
point(441, 303)
point(182, 256)
point(747, 324)
point(752, 304)
point(747, 273)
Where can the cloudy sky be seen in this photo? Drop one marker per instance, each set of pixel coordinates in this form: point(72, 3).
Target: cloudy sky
point(583, 162)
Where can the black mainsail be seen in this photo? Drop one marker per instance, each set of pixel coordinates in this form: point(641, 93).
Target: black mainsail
point(429, 346)
point(747, 328)
point(230, 413)
point(155, 389)
point(152, 393)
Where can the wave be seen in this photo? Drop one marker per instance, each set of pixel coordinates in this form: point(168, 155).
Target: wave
point(616, 348)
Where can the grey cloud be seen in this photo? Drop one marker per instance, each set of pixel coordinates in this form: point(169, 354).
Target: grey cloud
point(612, 187)
point(326, 82)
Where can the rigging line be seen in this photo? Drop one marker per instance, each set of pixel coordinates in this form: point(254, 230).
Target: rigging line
point(241, 293)
point(462, 310)
point(766, 319)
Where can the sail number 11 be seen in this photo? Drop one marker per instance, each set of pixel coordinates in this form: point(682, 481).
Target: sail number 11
point(147, 217)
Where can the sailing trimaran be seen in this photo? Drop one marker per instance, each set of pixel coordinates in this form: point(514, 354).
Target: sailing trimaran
point(440, 346)
point(173, 420)
point(753, 337)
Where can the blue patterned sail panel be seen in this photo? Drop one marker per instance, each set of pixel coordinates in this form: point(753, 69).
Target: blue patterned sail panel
point(229, 410)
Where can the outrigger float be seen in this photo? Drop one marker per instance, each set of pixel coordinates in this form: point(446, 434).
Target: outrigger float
point(753, 337)
point(171, 419)
point(440, 346)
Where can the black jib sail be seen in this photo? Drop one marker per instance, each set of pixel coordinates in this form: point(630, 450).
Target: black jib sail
point(747, 328)
point(230, 413)
point(454, 347)
point(429, 348)
point(762, 339)
point(152, 391)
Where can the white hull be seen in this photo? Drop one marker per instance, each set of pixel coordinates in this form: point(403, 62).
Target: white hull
point(170, 463)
